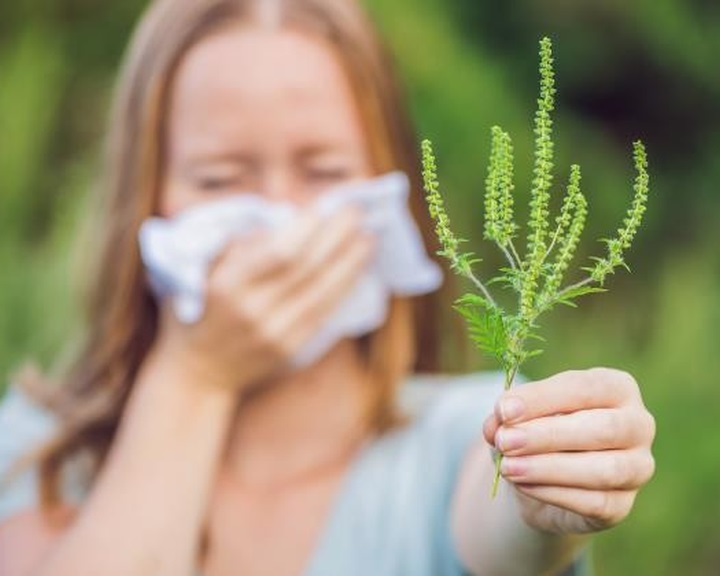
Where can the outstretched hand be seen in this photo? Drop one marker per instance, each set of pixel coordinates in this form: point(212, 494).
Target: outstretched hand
point(576, 446)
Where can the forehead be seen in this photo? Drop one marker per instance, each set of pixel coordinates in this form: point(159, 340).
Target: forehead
point(245, 76)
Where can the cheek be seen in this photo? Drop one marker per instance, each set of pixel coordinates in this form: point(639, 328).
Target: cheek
point(167, 206)
point(174, 198)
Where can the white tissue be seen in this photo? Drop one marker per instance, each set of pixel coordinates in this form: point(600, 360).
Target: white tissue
point(178, 252)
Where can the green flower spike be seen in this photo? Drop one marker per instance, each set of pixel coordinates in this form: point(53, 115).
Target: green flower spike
point(537, 279)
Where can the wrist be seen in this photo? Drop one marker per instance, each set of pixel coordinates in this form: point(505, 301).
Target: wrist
point(557, 546)
point(182, 375)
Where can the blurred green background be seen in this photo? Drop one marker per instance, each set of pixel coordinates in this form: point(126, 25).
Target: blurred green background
point(644, 69)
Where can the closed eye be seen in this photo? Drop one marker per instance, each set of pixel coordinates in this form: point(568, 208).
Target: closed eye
point(328, 175)
point(217, 183)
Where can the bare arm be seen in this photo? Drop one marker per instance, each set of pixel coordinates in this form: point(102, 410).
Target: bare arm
point(577, 451)
point(492, 537)
point(28, 536)
point(145, 513)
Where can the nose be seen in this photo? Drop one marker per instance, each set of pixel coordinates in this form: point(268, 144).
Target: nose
point(280, 185)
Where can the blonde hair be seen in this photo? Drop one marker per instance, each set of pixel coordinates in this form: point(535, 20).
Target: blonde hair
point(121, 314)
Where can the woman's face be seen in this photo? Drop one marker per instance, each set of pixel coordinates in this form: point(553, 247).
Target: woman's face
point(264, 111)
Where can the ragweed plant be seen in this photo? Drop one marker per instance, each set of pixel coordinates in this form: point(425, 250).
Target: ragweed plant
point(538, 278)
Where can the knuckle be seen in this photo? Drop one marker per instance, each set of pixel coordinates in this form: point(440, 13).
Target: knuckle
point(647, 468)
point(650, 426)
point(273, 337)
point(628, 384)
point(599, 506)
point(609, 433)
point(247, 312)
point(603, 508)
point(553, 436)
point(623, 383)
point(594, 381)
point(607, 509)
point(267, 335)
point(641, 426)
point(611, 474)
point(601, 377)
point(652, 466)
point(570, 376)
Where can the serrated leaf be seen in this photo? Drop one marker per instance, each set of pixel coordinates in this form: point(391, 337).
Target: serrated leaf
point(486, 324)
point(473, 299)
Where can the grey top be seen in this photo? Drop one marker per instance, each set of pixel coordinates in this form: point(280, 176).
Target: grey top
point(391, 516)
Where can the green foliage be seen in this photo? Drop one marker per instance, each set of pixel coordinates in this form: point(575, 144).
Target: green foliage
point(500, 226)
point(538, 223)
point(623, 241)
point(648, 66)
point(570, 226)
point(536, 279)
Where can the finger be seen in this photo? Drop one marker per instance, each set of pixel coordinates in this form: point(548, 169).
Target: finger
point(608, 470)
point(490, 429)
point(601, 509)
point(600, 429)
point(311, 307)
point(567, 392)
point(266, 253)
point(330, 244)
point(240, 253)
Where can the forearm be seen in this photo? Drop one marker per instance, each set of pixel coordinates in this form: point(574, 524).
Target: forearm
point(145, 513)
point(491, 536)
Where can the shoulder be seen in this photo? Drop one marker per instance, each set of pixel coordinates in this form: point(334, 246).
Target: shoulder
point(23, 427)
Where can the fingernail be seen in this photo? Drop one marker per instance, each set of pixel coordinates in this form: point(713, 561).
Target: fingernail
point(511, 409)
point(513, 467)
point(508, 439)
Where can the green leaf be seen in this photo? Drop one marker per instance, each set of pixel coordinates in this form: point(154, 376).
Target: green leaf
point(568, 297)
point(533, 354)
point(486, 324)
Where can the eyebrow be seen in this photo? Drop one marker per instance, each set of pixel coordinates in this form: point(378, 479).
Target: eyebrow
point(328, 148)
point(193, 160)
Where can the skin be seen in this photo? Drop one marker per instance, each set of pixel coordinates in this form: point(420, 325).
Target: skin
point(241, 441)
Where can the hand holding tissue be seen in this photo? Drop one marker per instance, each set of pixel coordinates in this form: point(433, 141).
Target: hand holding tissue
point(178, 253)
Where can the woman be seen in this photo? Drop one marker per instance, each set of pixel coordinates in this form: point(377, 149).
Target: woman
point(205, 452)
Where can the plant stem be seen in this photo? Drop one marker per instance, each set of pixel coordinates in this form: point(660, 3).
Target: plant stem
point(509, 379)
point(469, 274)
point(575, 286)
point(515, 254)
point(556, 234)
point(509, 257)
